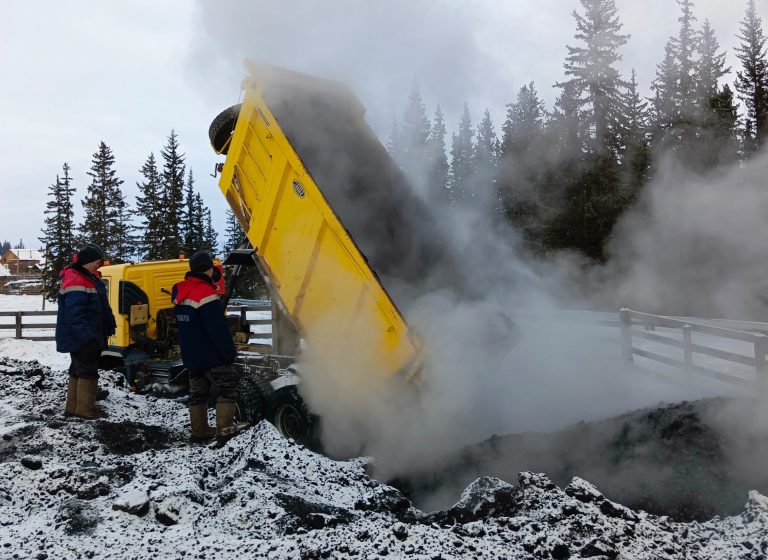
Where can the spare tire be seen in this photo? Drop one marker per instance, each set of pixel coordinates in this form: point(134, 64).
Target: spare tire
point(222, 127)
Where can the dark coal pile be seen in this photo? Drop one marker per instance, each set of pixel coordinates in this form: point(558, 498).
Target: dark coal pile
point(690, 461)
point(132, 487)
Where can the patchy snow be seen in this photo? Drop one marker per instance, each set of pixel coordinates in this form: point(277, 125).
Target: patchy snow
point(131, 486)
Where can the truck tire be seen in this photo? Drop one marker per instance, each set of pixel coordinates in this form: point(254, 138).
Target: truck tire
point(291, 416)
point(221, 129)
point(252, 404)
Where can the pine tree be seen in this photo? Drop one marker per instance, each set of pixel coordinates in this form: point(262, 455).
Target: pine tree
point(752, 80)
point(149, 208)
point(665, 113)
point(210, 239)
point(58, 237)
point(106, 212)
point(520, 165)
point(438, 159)
point(412, 152)
point(191, 215)
point(710, 67)
point(716, 139)
point(595, 80)
point(685, 46)
point(462, 148)
point(172, 197)
point(5, 246)
point(634, 152)
point(485, 161)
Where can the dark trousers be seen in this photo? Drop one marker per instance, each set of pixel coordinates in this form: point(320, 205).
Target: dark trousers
point(85, 363)
point(225, 379)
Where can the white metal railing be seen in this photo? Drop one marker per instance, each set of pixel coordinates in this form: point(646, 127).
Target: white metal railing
point(756, 341)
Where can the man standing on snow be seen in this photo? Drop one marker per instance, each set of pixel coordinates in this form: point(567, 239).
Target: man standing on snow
point(84, 322)
point(207, 349)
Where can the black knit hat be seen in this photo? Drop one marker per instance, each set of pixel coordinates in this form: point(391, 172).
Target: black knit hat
point(89, 253)
point(200, 262)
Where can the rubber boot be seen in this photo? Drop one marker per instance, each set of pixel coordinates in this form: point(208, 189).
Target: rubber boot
point(226, 427)
point(86, 400)
point(71, 406)
point(198, 418)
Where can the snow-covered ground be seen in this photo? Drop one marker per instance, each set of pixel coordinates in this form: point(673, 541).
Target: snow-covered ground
point(131, 486)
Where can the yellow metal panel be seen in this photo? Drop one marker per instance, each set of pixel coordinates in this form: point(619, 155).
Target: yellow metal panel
point(322, 279)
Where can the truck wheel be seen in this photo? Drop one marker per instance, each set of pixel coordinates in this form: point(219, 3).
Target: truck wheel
point(251, 406)
point(290, 415)
point(222, 128)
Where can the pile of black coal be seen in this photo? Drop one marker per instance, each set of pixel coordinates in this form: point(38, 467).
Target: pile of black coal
point(689, 461)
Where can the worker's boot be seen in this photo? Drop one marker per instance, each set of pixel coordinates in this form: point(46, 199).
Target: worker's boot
point(198, 418)
point(86, 400)
point(71, 406)
point(226, 427)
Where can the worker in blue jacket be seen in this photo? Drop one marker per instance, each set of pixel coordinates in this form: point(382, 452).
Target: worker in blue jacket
point(207, 349)
point(84, 322)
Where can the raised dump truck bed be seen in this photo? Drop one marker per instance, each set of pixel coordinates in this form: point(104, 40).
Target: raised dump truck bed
point(331, 217)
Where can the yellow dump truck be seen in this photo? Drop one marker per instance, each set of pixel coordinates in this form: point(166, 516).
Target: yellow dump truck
point(331, 219)
point(335, 230)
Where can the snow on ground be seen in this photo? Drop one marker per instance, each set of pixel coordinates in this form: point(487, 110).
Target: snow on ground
point(131, 486)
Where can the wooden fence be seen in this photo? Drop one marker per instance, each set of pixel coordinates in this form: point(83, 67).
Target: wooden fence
point(20, 326)
point(756, 341)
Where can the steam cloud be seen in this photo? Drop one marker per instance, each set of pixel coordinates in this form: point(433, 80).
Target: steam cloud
point(502, 361)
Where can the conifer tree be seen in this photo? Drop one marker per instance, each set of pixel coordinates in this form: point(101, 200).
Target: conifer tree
point(149, 208)
point(106, 211)
point(634, 151)
point(710, 67)
point(438, 159)
point(716, 139)
point(462, 148)
point(685, 46)
point(210, 237)
point(58, 236)
point(172, 197)
point(594, 78)
point(520, 165)
point(413, 151)
point(752, 80)
point(192, 215)
point(5, 246)
point(666, 108)
point(485, 161)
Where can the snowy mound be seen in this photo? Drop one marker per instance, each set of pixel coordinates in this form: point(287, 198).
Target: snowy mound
point(131, 486)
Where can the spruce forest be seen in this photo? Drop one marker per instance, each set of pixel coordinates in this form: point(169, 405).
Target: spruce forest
point(561, 176)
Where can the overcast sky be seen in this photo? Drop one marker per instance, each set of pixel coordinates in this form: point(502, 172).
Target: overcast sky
point(78, 72)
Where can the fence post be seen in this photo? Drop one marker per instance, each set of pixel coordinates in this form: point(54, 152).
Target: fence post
point(626, 335)
point(687, 348)
point(18, 324)
point(761, 367)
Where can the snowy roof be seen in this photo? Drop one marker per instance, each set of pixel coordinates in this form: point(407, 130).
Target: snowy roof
point(4, 271)
point(28, 254)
